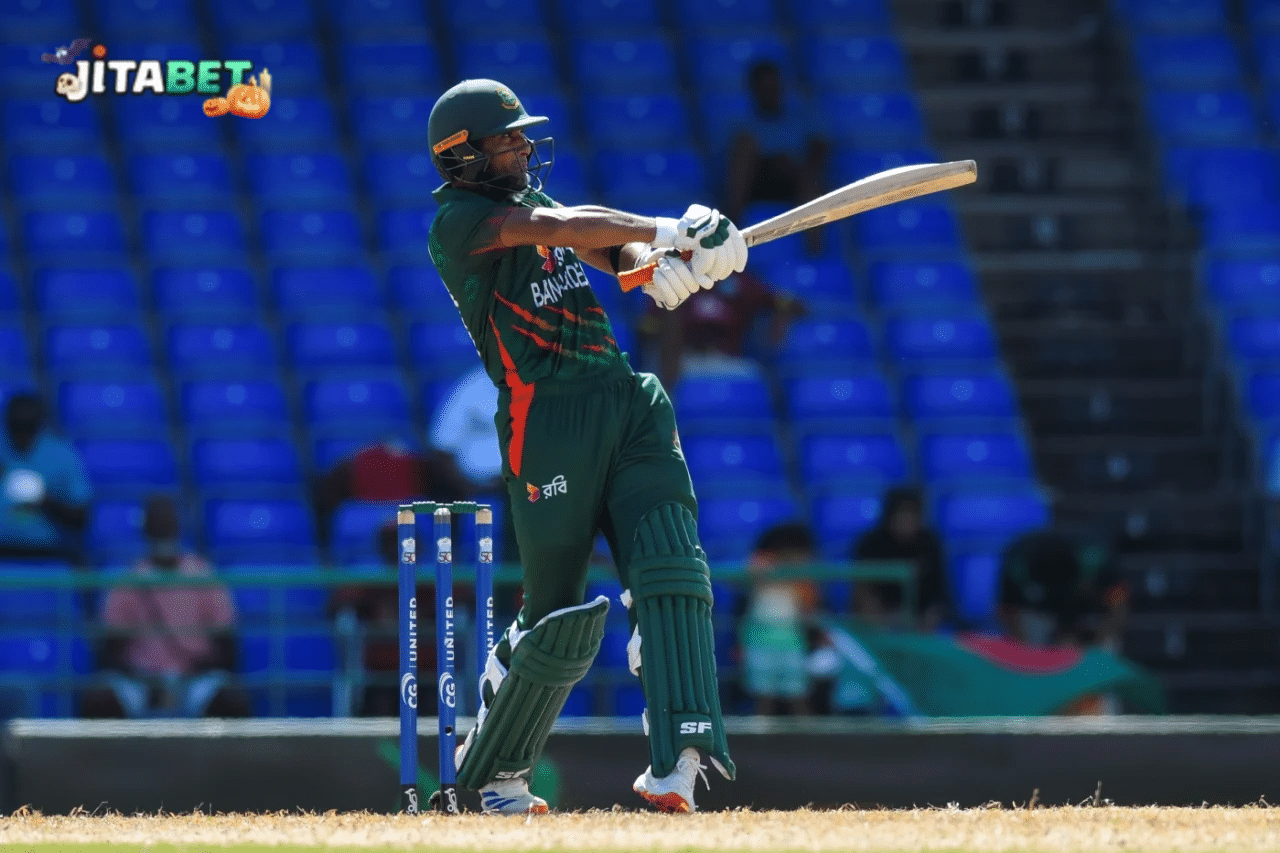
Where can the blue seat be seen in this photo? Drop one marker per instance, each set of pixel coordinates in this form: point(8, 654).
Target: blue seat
point(838, 343)
point(103, 293)
point(872, 458)
point(34, 658)
point(721, 15)
point(645, 63)
point(22, 74)
point(975, 585)
point(367, 66)
point(133, 18)
point(907, 284)
point(310, 234)
point(278, 180)
point(635, 122)
point(856, 62)
point(524, 64)
point(841, 517)
point(1233, 283)
point(203, 179)
point(49, 18)
point(10, 303)
point(338, 401)
point(870, 16)
point(1172, 15)
point(115, 530)
point(97, 350)
point(364, 17)
point(175, 235)
point(245, 20)
point(1199, 60)
point(63, 235)
point(136, 465)
point(1244, 228)
point(1262, 14)
point(477, 19)
point(47, 124)
point(973, 395)
point(624, 18)
point(720, 460)
point(205, 293)
point(728, 525)
point(914, 340)
point(407, 176)
point(1253, 339)
point(229, 349)
point(245, 463)
point(305, 66)
point(347, 292)
point(15, 353)
point(950, 457)
point(441, 346)
point(404, 230)
point(630, 179)
point(72, 179)
point(816, 400)
point(227, 405)
point(1261, 394)
point(854, 164)
point(825, 286)
point(720, 61)
point(258, 605)
point(164, 125)
point(303, 123)
point(910, 225)
point(355, 531)
point(91, 406)
point(714, 399)
point(328, 346)
point(416, 290)
point(568, 181)
point(1266, 47)
point(261, 528)
point(1273, 106)
point(380, 121)
point(1225, 117)
point(876, 119)
point(993, 515)
point(37, 595)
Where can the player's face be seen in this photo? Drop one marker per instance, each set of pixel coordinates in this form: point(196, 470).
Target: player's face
point(508, 159)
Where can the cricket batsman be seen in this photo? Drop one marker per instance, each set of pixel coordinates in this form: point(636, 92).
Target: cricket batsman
point(588, 446)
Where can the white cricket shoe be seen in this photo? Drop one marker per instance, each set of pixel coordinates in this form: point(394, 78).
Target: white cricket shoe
point(511, 797)
point(674, 792)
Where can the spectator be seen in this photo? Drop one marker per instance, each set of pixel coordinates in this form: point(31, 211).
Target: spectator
point(1055, 592)
point(463, 427)
point(44, 493)
point(901, 534)
point(774, 634)
point(709, 335)
point(168, 650)
point(779, 153)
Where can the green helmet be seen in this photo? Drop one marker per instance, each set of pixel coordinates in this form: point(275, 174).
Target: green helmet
point(465, 114)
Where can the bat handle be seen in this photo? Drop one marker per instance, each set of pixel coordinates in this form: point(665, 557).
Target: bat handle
point(640, 276)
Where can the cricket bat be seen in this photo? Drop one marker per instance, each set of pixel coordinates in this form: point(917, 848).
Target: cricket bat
point(878, 190)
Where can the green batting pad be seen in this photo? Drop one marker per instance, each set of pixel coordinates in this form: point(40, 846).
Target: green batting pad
point(546, 661)
point(671, 593)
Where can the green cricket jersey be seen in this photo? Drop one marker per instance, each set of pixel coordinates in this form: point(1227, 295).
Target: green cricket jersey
point(530, 309)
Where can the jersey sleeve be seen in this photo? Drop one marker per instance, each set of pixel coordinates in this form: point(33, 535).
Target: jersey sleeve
point(464, 231)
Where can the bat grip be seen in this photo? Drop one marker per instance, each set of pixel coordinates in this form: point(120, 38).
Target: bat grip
point(640, 276)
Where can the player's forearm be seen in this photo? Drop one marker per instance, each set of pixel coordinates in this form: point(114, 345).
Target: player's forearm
point(584, 227)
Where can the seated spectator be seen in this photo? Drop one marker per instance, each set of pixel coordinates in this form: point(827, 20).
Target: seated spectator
point(1053, 591)
point(463, 426)
point(773, 632)
point(168, 650)
point(901, 534)
point(778, 153)
point(710, 333)
point(44, 492)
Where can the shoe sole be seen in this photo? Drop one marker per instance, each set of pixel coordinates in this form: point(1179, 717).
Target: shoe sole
point(534, 809)
point(668, 803)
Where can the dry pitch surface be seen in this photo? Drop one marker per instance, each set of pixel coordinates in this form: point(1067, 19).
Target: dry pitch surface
point(1061, 830)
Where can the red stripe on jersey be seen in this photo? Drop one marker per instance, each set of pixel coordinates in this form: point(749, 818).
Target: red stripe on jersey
point(525, 315)
point(521, 400)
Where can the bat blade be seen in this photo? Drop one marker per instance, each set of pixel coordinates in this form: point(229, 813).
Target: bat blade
point(878, 190)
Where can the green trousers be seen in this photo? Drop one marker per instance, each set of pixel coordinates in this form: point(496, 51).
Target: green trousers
point(582, 458)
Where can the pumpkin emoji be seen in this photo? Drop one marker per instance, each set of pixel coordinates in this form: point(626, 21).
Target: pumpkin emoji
point(251, 100)
point(215, 107)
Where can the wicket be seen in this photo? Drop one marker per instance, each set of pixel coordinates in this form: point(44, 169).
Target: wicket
point(446, 649)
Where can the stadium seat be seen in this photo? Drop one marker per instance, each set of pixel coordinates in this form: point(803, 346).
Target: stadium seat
point(22, 74)
point(187, 294)
point(248, 20)
point(870, 458)
point(345, 292)
point(164, 126)
point(728, 526)
point(245, 464)
point(338, 401)
point(377, 16)
point(1253, 228)
point(10, 302)
point(987, 515)
point(1238, 283)
point(854, 164)
point(46, 125)
point(161, 179)
point(404, 231)
point(633, 122)
point(841, 517)
point(869, 120)
point(102, 294)
point(523, 64)
point(1225, 117)
point(266, 529)
point(326, 347)
point(15, 354)
point(635, 179)
point(134, 18)
point(477, 19)
point(400, 66)
point(1261, 395)
point(417, 291)
point(711, 400)
point(111, 407)
point(867, 16)
point(624, 18)
point(68, 179)
point(299, 235)
point(37, 595)
point(217, 405)
point(299, 180)
point(304, 67)
point(239, 350)
point(97, 350)
point(398, 121)
point(115, 530)
point(41, 19)
point(916, 340)
point(975, 586)
point(812, 346)
point(977, 395)
point(727, 461)
point(824, 286)
point(851, 62)
point(212, 235)
point(627, 65)
point(897, 285)
point(1173, 15)
point(909, 226)
point(1199, 60)
point(1253, 340)
point(355, 532)
point(65, 235)
point(408, 177)
point(729, 15)
point(304, 123)
point(720, 61)
point(1262, 15)
point(129, 466)
point(40, 656)
point(1266, 49)
point(948, 458)
point(1215, 177)
point(441, 347)
point(817, 401)
point(568, 181)
point(261, 605)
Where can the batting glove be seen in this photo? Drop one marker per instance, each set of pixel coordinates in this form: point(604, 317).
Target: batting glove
point(674, 280)
point(721, 259)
